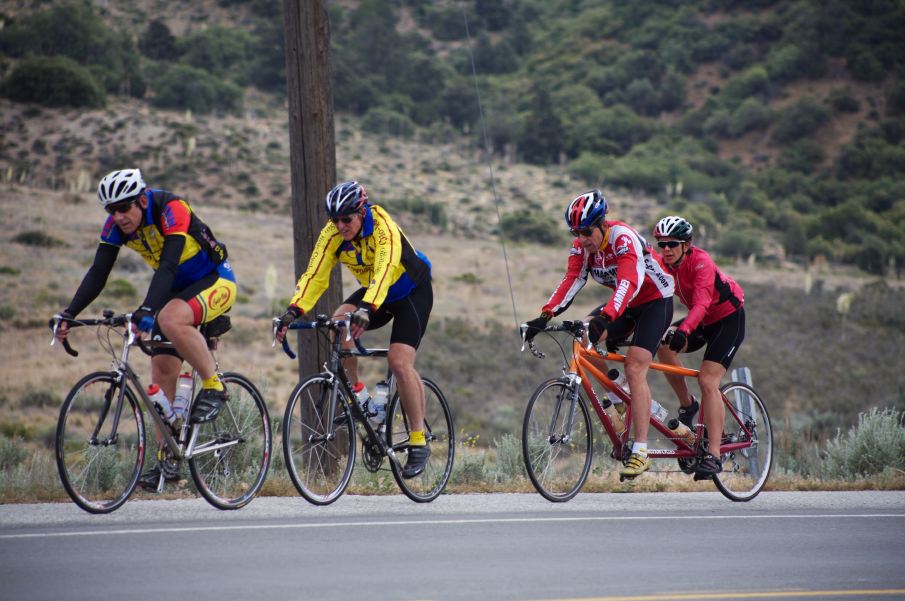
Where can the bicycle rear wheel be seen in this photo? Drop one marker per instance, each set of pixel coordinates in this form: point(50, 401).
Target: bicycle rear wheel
point(745, 471)
point(441, 438)
point(232, 453)
point(557, 458)
point(99, 468)
point(319, 454)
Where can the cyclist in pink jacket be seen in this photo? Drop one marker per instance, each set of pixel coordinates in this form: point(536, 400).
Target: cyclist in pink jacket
point(716, 317)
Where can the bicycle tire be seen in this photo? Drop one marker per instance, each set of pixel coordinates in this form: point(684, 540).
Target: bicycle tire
point(319, 468)
point(745, 472)
point(557, 469)
point(99, 477)
point(441, 437)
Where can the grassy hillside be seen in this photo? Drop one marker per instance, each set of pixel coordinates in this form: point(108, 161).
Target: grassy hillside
point(816, 364)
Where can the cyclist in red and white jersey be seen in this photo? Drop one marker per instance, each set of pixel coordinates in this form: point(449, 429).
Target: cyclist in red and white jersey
point(616, 256)
point(716, 317)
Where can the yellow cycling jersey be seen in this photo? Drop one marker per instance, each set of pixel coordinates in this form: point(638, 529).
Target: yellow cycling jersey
point(381, 258)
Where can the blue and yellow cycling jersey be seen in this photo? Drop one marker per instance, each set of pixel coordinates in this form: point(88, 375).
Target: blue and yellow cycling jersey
point(168, 215)
point(381, 258)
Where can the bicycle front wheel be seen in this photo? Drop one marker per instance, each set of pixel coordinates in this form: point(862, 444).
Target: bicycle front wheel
point(232, 453)
point(745, 471)
point(441, 438)
point(99, 459)
point(319, 451)
point(557, 441)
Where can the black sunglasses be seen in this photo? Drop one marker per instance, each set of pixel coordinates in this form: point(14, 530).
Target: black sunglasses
point(586, 232)
point(668, 243)
point(345, 220)
point(120, 207)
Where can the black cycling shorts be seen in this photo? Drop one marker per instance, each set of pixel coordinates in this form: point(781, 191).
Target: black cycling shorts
point(722, 338)
point(410, 314)
point(648, 322)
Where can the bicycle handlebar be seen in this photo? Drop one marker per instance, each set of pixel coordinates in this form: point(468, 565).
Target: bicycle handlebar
point(576, 328)
point(109, 319)
point(320, 321)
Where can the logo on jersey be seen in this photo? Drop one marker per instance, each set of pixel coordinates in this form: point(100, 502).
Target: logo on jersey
point(623, 245)
point(168, 218)
point(219, 298)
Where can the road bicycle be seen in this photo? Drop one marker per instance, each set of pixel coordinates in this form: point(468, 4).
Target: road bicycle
point(557, 438)
point(323, 419)
point(101, 439)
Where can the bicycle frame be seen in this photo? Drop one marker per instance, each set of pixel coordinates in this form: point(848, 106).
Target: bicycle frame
point(336, 374)
point(581, 366)
point(179, 447)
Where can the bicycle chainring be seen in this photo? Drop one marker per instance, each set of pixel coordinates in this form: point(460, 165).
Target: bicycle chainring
point(371, 455)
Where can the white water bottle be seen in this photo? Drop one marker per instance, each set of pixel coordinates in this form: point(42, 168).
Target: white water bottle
point(378, 407)
point(161, 403)
point(619, 379)
point(658, 411)
point(183, 398)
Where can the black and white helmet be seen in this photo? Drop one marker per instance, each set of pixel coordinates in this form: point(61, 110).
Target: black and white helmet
point(673, 227)
point(346, 198)
point(121, 185)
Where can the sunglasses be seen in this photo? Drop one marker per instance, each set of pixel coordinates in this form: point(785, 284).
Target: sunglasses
point(668, 243)
point(346, 220)
point(586, 232)
point(120, 207)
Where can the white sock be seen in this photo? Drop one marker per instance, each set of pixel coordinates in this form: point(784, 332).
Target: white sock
point(640, 448)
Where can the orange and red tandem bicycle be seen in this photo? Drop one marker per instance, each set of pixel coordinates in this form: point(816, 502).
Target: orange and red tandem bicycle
point(557, 438)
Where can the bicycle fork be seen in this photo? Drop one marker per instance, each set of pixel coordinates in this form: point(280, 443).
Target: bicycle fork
point(572, 391)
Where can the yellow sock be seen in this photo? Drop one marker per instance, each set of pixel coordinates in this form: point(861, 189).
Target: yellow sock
point(212, 382)
point(416, 438)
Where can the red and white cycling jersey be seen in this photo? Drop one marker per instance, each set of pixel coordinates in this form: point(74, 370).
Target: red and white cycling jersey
point(623, 262)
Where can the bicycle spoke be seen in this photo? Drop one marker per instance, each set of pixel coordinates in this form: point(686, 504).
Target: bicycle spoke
point(747, 442)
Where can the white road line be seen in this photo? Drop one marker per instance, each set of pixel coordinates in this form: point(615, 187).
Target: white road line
point(450, 522)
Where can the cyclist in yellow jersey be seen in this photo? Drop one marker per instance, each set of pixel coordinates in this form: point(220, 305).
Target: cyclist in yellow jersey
point(193, 284)
point(395, 281)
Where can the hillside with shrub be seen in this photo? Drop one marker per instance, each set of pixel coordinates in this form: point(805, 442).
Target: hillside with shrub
point(777, 127)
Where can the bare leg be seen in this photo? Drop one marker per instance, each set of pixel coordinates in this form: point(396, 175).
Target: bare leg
point(176, 321)
point(637, 362)
point(714, 411)
point(350, 364)
point(401, 359)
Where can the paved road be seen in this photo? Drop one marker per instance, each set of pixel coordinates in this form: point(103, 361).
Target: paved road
point(651, 546)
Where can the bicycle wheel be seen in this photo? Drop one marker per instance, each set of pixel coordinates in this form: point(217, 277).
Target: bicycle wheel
point(98, 467)
point(319, 454)
point(745, 471)
point(557, 459)
point(440, 435)
point(232, 453)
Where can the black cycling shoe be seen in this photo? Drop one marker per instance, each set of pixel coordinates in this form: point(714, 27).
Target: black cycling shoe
point(686, 414)
point(416, 462)
point(208, 405)
point(708, 467)
point(151, 478)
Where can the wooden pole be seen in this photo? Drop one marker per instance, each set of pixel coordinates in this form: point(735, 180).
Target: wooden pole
point(312, 152)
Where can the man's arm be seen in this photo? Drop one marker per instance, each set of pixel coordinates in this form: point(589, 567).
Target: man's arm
point(95, 280)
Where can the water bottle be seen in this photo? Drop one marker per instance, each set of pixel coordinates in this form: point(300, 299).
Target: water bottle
point(681, 431)
point(183, 399)
point(379, 404)
point(658, 411)
point(161, 403)
point(615, 418)
point(364, 399)
point(618, 378)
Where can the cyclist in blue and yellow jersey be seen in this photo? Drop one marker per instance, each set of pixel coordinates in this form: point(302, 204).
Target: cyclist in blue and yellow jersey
point(395, 283)
point(192, 284)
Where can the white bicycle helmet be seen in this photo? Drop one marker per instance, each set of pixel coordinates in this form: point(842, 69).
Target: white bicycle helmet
point(121, 185)
point(673, 227)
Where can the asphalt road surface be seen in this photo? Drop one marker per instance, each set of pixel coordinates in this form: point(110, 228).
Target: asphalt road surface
point(630, 547)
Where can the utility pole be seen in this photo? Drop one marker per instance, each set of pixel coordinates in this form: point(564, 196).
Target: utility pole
point(312, 152)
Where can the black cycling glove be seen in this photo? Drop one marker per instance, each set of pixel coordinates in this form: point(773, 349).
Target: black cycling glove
point(536, 325)
point(292, 313)
point(596, 327)
point(678, 340)
point(362, 316)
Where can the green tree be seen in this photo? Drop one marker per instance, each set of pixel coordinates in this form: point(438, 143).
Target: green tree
point(185, 87)
point(53, 81)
